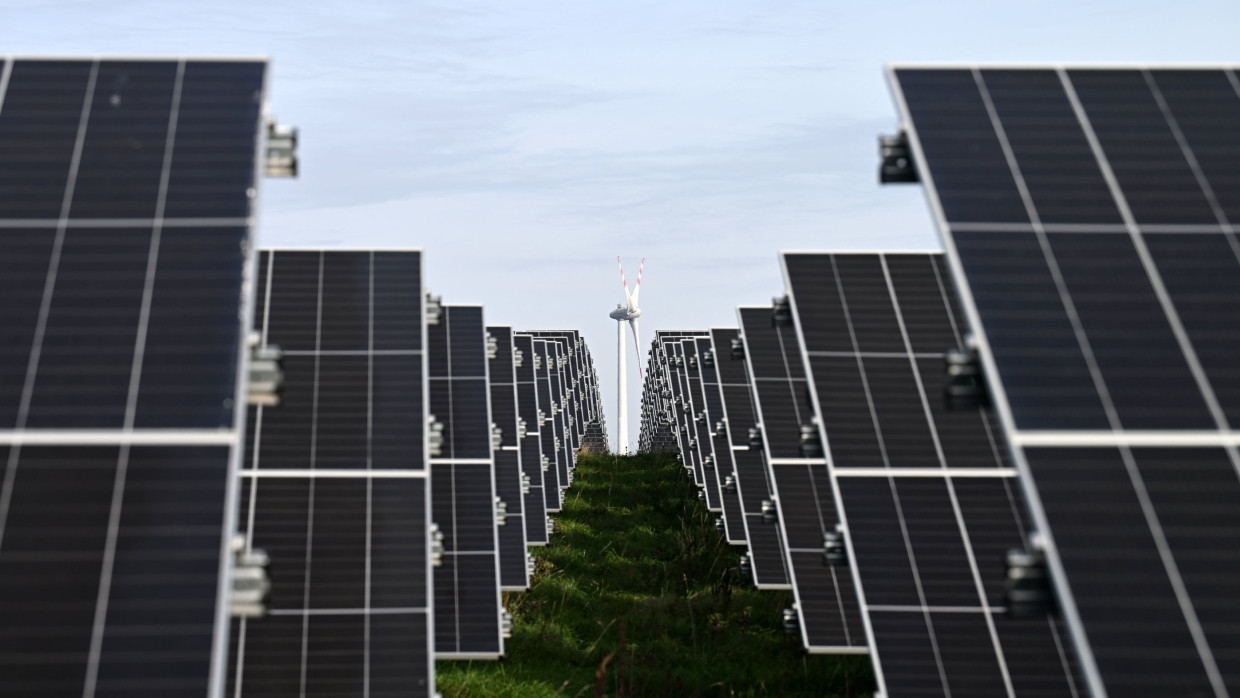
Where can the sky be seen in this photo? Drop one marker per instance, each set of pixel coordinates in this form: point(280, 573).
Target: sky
point(524, 145)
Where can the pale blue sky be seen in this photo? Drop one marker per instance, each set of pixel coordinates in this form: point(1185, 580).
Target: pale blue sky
point(524, 145)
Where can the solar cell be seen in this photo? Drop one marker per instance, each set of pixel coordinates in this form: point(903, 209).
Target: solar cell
point(120, 369)
point(1096, 342)
point(334, 483)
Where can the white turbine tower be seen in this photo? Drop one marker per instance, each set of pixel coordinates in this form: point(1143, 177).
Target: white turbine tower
point(626, 312)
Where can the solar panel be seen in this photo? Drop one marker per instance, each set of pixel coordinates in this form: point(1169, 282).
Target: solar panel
point(699, 369)
point(552, 494)
point(577, 414)
point(733, 517)
point(468, 607)
point(333, 484)
point(125, 204)
point(557, 361)
point(801, 496)
point(514, 560)
point(658, 431)
point(678, 363)
point(676, 408)
point(766, 556)
point(570, 376)
point(925, 539)
point(536, 532)
point(1088, 219)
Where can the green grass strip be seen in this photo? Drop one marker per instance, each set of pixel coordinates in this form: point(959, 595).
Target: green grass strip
point(638, 595)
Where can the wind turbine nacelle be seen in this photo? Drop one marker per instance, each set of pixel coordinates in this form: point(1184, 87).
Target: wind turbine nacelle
point(622, 314)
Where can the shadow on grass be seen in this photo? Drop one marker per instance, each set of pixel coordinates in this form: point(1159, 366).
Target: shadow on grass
point(638, 595)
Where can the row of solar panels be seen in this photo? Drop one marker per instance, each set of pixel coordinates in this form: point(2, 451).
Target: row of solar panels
point(239, 472)
point(1006, 469)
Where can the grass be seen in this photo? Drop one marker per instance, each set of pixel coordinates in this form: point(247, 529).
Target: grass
point(638, 595)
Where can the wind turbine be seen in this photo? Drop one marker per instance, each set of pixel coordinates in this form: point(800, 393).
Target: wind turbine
point(626, 312)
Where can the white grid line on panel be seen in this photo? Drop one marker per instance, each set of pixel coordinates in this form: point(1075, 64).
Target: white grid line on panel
point(354, 352)
point(370, 425)
point(333, 473)
point(240, 670)
point(387, 611)
point(6, 73)
point(314, 449)
point(159, 220)
point(116, 437)
point(898, 608)
point(105, 575)
point(152, 262)
point(1085, 228)
point(927, 472)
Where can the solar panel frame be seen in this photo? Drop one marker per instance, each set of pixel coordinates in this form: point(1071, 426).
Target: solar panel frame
point(132, 436)
point(1132, 675)
point(382, 483)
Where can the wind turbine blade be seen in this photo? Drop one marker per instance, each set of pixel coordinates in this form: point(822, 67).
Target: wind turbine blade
point(638, 346)
point(637, 289)
point(627, 298)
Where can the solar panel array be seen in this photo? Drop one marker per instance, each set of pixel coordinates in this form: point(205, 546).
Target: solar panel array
point(1009, 469)
point(1075, 537)
point(158, 539)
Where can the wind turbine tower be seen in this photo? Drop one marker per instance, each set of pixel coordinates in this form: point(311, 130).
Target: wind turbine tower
point(626, 312)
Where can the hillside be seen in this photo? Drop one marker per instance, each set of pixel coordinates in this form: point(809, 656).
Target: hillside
point(639, 595)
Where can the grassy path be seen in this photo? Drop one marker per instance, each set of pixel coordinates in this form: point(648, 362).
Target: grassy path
point(638, 595)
